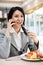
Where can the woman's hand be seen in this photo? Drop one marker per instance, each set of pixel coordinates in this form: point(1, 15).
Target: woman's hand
point(33, 36)
point(9, 25)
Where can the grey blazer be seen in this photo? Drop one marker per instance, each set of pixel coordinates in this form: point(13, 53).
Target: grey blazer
point(8, 46)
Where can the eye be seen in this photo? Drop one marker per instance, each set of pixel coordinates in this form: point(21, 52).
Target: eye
point(16, 16)
point(21, 15)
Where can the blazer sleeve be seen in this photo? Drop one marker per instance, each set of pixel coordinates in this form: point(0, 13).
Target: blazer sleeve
point(32, 46)
point(4, 45)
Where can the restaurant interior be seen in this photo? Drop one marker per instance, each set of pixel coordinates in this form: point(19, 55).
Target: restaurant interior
point(33, 16)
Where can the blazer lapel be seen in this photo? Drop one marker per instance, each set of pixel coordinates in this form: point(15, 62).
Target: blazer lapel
point(23, 40)
point(13, 41)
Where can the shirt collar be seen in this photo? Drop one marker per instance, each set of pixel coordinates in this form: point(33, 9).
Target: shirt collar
point(13, 30)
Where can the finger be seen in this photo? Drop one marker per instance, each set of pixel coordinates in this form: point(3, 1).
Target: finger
point(13, 23)
point(10, 20)
point(32, 37)
point(33, 34)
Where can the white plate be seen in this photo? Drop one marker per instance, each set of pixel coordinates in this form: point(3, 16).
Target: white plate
point(23, 57)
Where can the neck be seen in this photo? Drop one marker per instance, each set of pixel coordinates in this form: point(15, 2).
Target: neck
point(17, 29)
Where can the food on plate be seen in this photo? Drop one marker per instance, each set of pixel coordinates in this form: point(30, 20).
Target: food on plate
point(34, 55)
point(39, 54)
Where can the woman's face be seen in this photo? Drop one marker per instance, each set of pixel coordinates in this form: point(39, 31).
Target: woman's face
point(18, 18)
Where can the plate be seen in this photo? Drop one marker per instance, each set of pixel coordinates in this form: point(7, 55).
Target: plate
point(23, 57)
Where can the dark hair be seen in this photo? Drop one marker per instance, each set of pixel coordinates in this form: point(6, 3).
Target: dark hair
point(13, 9)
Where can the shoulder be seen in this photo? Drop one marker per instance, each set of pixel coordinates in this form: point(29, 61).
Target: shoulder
point(2, 33)
point(3, 30)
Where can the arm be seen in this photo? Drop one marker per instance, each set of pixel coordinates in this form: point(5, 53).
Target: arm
point(32, 46)
point(33, 40)
point(5, 41)
point(37, 45)
point(4, 45)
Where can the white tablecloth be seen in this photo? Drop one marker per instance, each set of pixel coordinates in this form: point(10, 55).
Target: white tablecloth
point(18, 61)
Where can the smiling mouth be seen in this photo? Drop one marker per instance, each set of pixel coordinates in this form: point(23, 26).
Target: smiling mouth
point(19, 23)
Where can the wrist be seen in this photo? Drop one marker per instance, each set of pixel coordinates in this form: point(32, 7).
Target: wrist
point(37, 44)
point(36, 41)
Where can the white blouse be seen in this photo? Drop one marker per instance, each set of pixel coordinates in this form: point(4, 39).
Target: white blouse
point(17, 38)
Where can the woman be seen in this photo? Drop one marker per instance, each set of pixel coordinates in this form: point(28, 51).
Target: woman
point(16, 39)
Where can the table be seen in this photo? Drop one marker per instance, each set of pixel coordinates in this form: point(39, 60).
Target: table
point(18, 61)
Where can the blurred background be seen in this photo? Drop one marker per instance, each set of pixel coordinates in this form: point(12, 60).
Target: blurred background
point(33, 15)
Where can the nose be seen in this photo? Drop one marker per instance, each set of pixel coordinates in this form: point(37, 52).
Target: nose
point(19, 18)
